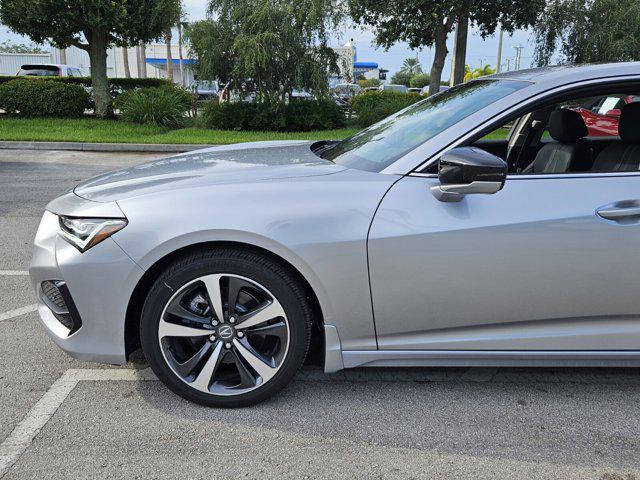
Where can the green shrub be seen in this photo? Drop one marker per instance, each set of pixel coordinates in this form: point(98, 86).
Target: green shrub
point(297, 116)
point(307, 115)
point(32, 98)
point(371, 107)
point(419, 80)
point(163, 106)
point(116, 85)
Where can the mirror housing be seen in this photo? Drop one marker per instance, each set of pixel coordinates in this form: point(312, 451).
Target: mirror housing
point(615, 113)
point(468, 170)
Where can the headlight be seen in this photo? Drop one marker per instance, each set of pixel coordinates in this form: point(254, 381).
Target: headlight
point(84, 233)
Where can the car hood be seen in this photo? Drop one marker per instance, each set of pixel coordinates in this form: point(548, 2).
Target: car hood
point(224, 164)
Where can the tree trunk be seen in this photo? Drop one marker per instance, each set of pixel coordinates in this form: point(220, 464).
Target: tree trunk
point(439, 57)
point(461, 48)
point(125, 62)
point(182, 82)
point(167, 40)
point(142, 61)
point(99, 81)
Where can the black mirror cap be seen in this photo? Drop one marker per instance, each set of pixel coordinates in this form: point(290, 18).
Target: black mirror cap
point(464, 165)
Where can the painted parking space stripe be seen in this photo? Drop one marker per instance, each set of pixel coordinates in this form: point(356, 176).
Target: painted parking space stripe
point(14, 273)
point(17, 312)
point(26, 431)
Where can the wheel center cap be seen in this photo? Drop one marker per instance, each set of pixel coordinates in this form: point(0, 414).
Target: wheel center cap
point(226, 332)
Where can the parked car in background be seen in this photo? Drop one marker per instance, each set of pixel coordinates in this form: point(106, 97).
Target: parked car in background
point(415, 90)
point(205, 89)
point(601, 114)
point(425, 89)
point(301, 95)
point(393, 88)
point(49, 70)
point(346, 90)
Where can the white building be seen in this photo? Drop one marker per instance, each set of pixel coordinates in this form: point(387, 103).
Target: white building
point(155, 61)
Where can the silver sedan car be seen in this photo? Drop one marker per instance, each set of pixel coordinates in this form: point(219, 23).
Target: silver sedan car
point(484, 225)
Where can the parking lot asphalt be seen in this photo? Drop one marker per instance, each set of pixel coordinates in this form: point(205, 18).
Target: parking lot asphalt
point(481, 423)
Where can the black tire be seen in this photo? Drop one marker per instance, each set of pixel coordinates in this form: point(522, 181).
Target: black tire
point(271, 274)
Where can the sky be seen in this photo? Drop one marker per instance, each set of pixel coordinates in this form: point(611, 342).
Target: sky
point(479, 51)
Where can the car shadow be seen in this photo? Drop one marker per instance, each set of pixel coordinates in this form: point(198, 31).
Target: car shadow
point(578, 417)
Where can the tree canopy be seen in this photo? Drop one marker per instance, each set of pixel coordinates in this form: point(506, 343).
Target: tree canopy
point(270, 47)
point(10, 47)
point(92, 25)
point(426, 23)
point(583, 31)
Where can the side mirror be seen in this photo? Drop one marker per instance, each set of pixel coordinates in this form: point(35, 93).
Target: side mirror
point(469, 170)
point(614, 113)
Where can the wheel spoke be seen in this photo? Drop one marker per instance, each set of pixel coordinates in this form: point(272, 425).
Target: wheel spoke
point(264, 370)
point(235, 284)
point(185, 368)
point(179, 311)
point(203, 380)
point(167, 329)
point(247, 379)
point(212, 284)
point(278, 329)
point(271, 311)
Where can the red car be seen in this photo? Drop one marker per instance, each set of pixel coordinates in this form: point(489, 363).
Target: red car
point(601, 114)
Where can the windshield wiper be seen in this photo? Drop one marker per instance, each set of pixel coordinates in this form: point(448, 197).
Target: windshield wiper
point(323, 146)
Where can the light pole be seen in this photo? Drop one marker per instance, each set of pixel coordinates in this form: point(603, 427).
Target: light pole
point(499, 60)
point(518, 48)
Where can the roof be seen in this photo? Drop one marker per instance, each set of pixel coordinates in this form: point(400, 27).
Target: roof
point(579, 72)
point(365, 65)
point(163, 61)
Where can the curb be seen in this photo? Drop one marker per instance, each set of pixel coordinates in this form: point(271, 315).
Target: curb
point(102, 147)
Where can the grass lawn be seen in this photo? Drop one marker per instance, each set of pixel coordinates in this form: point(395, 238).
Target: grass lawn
point(111, 131)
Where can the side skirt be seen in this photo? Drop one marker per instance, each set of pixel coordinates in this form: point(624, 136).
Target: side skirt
point(485, 358)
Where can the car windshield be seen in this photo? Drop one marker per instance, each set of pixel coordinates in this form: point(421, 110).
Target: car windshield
point(381, 144)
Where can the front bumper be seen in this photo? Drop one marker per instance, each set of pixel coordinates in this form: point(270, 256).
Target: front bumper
point(99, 282)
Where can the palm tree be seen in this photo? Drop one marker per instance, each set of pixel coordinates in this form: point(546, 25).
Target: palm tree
point(167, 41)
point(125, 62)
point(175, 14)
point(478, 72)
point(411, 65)
point(181, 61)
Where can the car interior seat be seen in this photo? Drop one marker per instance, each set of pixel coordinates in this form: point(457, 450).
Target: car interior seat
point(568, 152)
point(623, 156)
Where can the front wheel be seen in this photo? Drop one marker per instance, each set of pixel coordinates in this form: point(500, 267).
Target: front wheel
point(225, 328)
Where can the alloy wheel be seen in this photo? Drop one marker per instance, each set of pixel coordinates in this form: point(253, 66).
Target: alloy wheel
point(224, 334)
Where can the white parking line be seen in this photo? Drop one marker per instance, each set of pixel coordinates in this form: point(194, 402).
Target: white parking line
point(26, 431)
point(14, 272)
point(17, 312)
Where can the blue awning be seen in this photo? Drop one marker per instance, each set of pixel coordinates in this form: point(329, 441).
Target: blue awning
point(175, 61)
point(370, 65)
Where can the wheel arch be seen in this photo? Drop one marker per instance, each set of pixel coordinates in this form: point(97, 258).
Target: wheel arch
point(316, 353)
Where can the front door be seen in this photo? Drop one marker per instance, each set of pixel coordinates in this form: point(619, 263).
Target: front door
point(532, 267)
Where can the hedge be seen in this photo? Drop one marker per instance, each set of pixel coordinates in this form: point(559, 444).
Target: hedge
point(116, 85)
point(30, 98)
point(298, 116)
point(371, 107)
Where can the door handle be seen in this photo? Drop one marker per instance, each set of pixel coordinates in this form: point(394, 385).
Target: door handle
point(619, 213)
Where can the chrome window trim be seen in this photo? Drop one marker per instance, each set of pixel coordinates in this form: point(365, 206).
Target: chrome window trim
point(501, 117)
point(516, 176)
point(520, 176)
